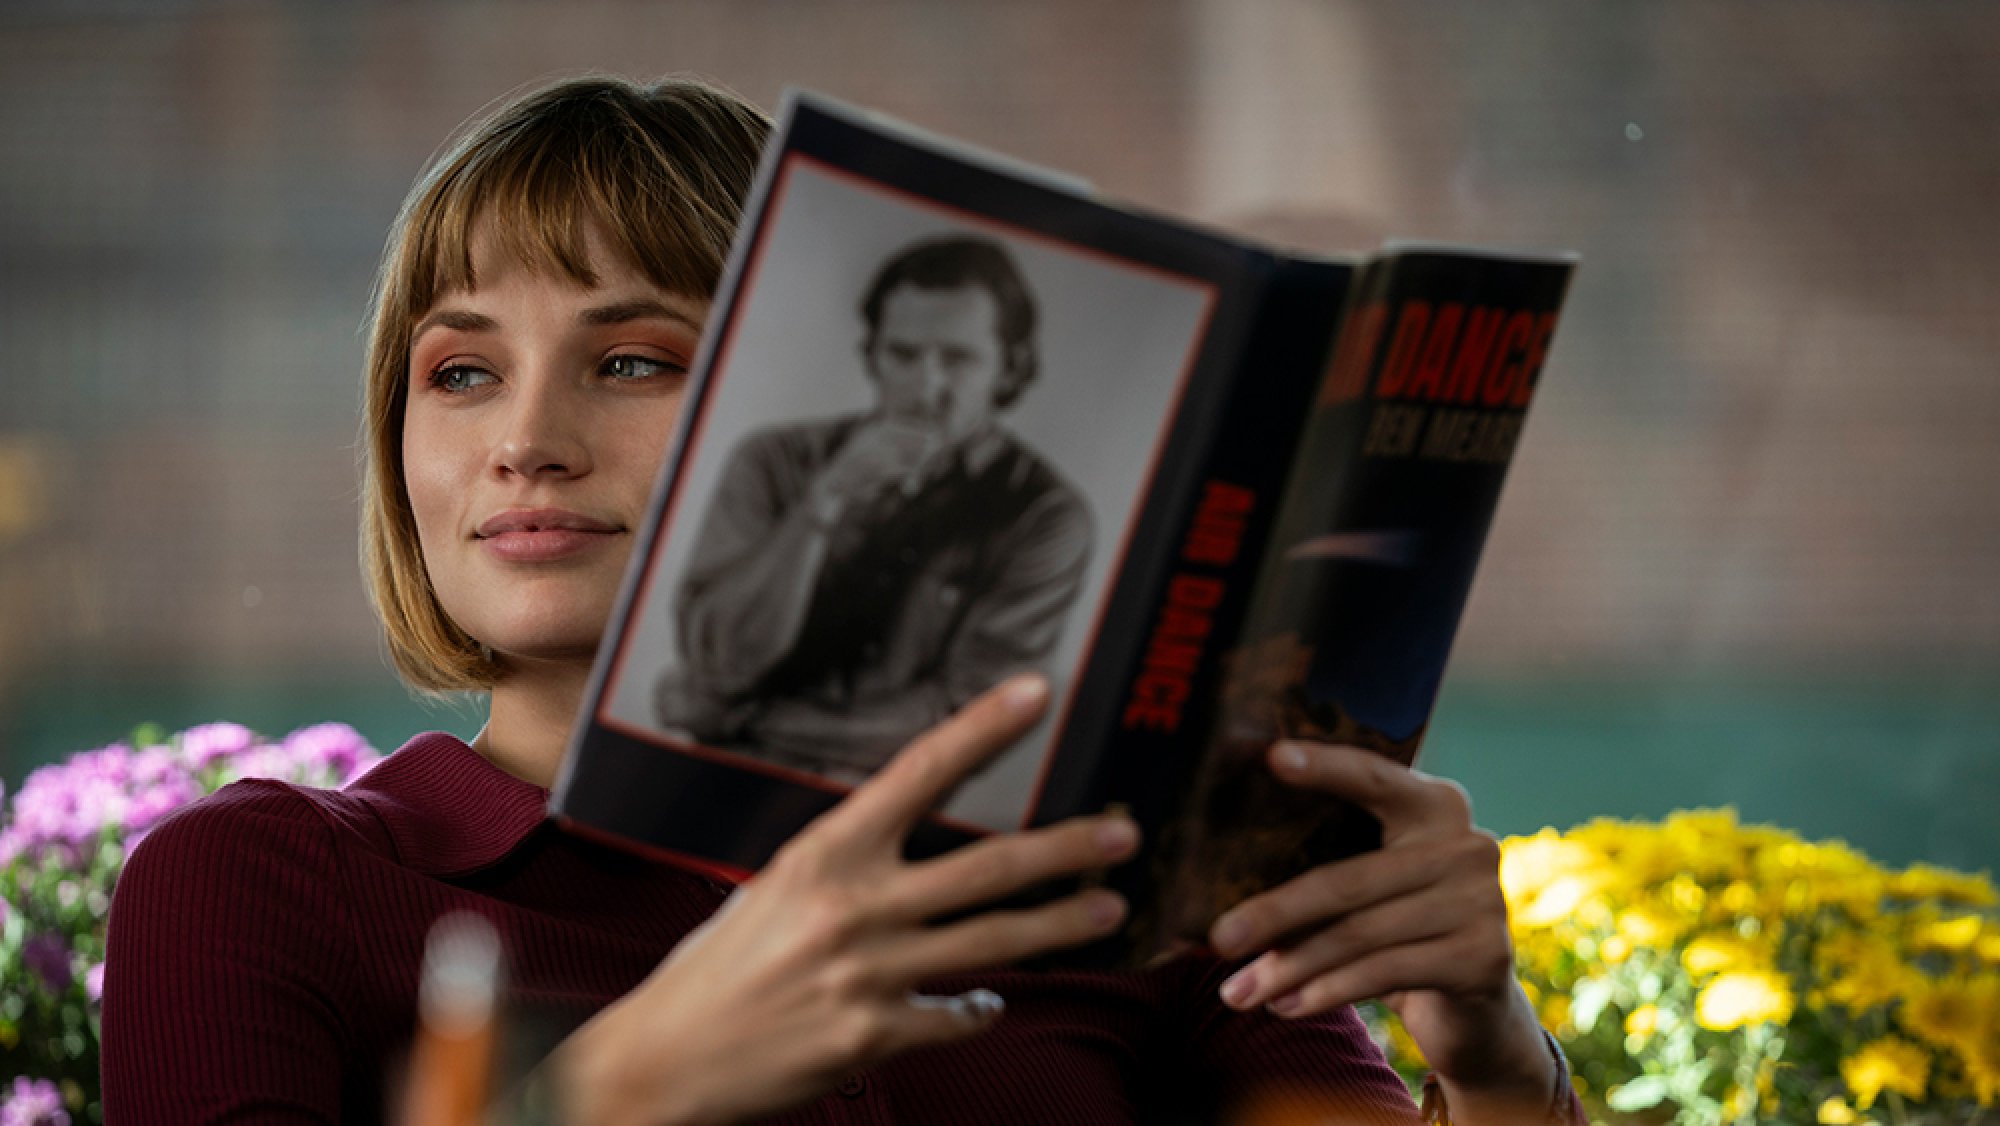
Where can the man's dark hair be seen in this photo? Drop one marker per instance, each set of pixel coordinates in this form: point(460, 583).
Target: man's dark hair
point(962, 260)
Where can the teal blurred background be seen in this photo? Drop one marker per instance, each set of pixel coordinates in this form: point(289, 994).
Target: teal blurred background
point(1748, 555)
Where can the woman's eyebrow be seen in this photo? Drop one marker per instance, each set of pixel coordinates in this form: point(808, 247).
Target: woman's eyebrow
point(639, 307)
point(457, 319)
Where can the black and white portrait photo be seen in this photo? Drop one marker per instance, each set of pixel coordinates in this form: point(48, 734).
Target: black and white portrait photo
point(919, 456)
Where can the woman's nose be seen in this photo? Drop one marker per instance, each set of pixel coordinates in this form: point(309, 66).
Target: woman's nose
point(541, 435)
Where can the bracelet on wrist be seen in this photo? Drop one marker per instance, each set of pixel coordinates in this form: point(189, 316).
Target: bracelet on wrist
point(1436, 1112)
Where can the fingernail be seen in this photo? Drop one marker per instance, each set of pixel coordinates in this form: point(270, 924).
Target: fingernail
point(1026, 692)
point(1229, 933)
point(1105, 908)
point(1287, 1005)
point(1290, 758)
point(1118, 837)
point(1241, 984)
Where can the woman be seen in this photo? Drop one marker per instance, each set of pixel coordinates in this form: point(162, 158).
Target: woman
point(538, 307)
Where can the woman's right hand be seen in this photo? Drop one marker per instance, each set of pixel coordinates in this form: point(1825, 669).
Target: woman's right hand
point(808, 972)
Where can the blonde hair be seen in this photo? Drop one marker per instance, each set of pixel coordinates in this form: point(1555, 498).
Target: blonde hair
point(662, 170)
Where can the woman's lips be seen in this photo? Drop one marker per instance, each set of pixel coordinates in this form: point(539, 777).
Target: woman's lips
point(542, 535)
point(544, 546)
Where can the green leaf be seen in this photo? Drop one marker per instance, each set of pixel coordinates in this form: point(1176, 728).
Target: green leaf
point(1587, 1001)
point(1645, 1091)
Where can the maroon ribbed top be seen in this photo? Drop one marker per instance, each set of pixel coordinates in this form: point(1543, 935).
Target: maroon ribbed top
point(265, 944)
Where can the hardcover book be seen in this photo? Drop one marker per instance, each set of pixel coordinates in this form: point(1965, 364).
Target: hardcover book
point(955, 418)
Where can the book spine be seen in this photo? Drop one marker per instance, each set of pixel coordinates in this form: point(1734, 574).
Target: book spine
point(1368, 565)
point(1169, 693)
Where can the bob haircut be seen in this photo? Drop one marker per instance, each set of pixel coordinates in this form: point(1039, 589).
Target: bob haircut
point(662, 170)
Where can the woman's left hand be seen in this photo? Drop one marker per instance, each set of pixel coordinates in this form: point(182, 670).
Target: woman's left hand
point(1419, 923)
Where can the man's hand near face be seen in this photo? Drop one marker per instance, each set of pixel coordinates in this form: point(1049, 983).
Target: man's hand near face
point(883, 454)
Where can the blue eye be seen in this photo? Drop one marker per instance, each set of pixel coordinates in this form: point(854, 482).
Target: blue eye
point(626, 366)
point(460, 378)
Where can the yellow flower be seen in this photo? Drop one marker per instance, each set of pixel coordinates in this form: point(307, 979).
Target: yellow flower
point(1634, 850)
point(1926, 881)
point(1982, 1067)
point(1555, 1011)
point(1863, 970)
point(1545, 877)
point(1736, 999)
point(1529, 864)
point(1650, 926)
point(1836, 1112)
point(1402, 1047)
point(1642, 1021)
point(1537, 950)
point(1724, 952)
point(1953, 1013)
point(1961, 933)
point(1685, 894)
point(1805, 876)
point(1740, 898)
point(1988, 947)
point(1886, 1064)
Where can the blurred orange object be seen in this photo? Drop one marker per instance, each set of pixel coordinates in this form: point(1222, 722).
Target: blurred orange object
point(452, 1062)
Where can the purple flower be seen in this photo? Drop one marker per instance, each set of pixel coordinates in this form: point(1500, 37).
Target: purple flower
point(145, 808)
point(93, 982)
point(331, 750)
point(154, 765)
point(214, 742)
point(33, 1102)
point(64, 809)
point(47, 955)
point(265, 760)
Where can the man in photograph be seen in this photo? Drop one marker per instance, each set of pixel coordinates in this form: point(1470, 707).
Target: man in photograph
point(859, 578)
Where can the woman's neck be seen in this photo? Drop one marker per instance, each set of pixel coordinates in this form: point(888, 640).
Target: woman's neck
point(533, 708)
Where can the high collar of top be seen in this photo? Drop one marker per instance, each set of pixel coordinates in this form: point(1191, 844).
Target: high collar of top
point(447, 809)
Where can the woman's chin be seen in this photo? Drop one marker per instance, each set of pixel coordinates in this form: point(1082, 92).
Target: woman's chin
point(548, 655)
point(532, 650)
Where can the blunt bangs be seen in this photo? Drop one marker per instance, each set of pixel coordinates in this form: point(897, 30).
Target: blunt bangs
point(546, 170)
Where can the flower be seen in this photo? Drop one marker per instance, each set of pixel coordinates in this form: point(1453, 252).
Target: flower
point(1736, 999)
point(212, 743)
point(1650, 926)
point(1961, 933)
point(1641, 1022)
point(1865, 970)
point(1955, 1012)
point(332, 750)
point(65, 835)
point(1926, 881)
point(1760, 976)
point(47, 955)
point(1889, 1064)
point(33, 1102)
point(1982, 1068)
point(1725, 952)
point(1545, 877)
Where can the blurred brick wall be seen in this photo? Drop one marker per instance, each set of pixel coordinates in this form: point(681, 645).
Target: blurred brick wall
point(1765, 438)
